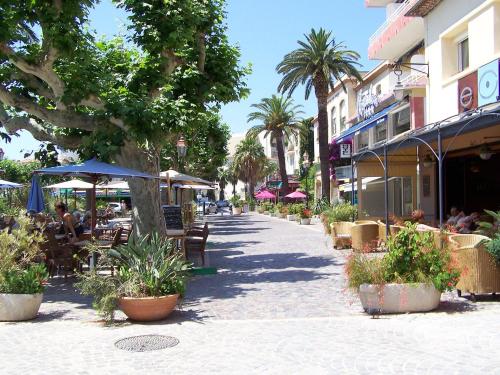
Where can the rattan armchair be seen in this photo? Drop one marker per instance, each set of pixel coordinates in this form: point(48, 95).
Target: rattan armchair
point(341, 234)
point(364, 235)
point(480, 274)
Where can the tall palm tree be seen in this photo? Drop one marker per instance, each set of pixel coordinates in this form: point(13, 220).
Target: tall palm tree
point(306, 137)
point(249, 161)
point(279, 119)
point(223, 175)
point(318, 63)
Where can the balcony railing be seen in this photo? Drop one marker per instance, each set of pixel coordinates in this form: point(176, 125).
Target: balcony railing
point(401, 11)
point(414, 80)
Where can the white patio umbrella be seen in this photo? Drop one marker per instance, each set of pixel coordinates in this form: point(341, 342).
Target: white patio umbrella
point(172, 177)
point(9, 185)
point(74, 184)
point(115, 185)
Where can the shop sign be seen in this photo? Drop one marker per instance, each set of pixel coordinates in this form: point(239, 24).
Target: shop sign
point(467, 93)
point(343, 173)
point(367, 103)
point(345, 150)
point(488, 83)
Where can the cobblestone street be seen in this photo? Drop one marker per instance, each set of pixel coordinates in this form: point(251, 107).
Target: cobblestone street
point(277, 305)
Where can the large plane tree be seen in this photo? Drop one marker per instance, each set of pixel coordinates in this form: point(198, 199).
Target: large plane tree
point(123, 99)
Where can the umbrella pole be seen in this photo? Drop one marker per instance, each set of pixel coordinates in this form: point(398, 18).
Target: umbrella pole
point(93, 208)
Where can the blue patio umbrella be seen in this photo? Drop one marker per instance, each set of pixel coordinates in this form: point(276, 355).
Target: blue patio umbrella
point(35, 197)
point(94, 169)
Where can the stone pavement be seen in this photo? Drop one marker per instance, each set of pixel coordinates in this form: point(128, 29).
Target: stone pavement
point(277, 306)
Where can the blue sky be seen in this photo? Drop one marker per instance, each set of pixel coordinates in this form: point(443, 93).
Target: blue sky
point(265, 30)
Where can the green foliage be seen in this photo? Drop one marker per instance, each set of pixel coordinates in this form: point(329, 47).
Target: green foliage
point(19, 172)
point(493, 247)
point(236, 201)
point(490, 228)
point(268, 206)
point(412, 257)
point(19, 253)
point(278, 207)
point(341, 212)
point(146, 267)
point(250, 161)
point(296, 208)
point(29, 280)
point(320, 205)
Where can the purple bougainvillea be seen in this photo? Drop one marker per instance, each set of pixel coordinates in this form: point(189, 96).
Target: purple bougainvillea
point(334, 156)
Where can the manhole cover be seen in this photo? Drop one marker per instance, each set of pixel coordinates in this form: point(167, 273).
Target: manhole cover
point(146, 343)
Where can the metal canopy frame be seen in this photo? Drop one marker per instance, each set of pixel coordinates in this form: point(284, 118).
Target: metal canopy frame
point(423, 136)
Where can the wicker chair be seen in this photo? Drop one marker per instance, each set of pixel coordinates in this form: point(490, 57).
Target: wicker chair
point(480, 274)
point(364, 235)
point(341, 234)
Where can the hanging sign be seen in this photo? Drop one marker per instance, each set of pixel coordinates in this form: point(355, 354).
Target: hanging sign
point(345, 150)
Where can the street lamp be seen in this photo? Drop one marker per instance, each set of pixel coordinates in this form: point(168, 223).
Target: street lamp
point(181, 150)
point(306, 164)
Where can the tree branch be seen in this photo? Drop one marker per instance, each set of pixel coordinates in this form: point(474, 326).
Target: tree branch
point(59, 118)
point(44, 71)
point(202, 53)
point(13, 124)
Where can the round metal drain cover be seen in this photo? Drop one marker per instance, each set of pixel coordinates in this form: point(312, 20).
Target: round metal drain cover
point(146, 343)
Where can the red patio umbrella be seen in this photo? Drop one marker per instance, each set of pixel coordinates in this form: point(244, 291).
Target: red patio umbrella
point(296, 195)
point(265, 195)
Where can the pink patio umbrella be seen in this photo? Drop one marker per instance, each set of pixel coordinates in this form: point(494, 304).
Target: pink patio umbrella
point(296, 195)
point(265, 195)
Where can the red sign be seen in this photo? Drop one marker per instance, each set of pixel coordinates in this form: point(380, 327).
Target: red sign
point(467, 93)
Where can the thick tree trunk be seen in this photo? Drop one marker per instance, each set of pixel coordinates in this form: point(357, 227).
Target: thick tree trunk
point(321, 90)
point(282, 163)
point(146, 204)
point(251, 189)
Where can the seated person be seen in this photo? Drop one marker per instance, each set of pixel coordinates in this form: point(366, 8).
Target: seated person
point(86, 222)
point(109, 212)
point(455, 215)
point(70, 225)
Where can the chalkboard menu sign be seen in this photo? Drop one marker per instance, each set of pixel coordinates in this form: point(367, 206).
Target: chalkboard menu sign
point(173, 217)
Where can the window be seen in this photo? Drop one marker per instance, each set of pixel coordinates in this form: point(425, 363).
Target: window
point(402, 121)
point(378, 90)
point(342, 116)
point(363, 140)
point(381, 130)
point(463, 54)
point(333, 125)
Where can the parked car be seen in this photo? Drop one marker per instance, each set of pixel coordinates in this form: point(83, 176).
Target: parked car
point(222, 203)
point(116, 206)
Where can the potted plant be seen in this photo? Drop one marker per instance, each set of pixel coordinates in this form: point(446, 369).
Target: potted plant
point(305, 216)
point(251, 205)
point(283, 211)
point(277, 209)
point(149, 278)
point(237, 204)
point(260, 209)
point(409, 278)
point(268, 207)
point(22, 275)
point(292, 212)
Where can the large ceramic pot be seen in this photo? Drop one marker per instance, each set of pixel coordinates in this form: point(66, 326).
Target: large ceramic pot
point(306, 221)
point(290, 217)
point(148, 309)
point(17, 307)
point(236, 210)
point(399, 298)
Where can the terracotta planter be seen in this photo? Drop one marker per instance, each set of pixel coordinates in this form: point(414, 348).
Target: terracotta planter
point(306, 221)
point(236, 210)
point(17, 307)
point(399, 298)
point(290, 217)
point(148, 308)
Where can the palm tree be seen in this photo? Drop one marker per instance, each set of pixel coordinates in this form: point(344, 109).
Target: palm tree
point(278, 117)
point(249, 161)
point(223, 175)
point(318, 63)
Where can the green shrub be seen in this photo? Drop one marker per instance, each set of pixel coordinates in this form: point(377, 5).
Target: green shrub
point(320, 205)
point(341, 212)
point(20, 254)
point(27, 280)
point(412, 257)
point(493, 247)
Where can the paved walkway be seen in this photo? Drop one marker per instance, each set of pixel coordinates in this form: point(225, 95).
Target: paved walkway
point(277, 306)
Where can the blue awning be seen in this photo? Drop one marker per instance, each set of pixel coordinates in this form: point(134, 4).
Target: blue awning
point(368, 123)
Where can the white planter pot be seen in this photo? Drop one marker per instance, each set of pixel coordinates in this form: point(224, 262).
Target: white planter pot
point(236, 210)
point(282, 216)
point(399, 298)
point(306, 221)
point(274, 214)
point(290, 217)
point(17, 307)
